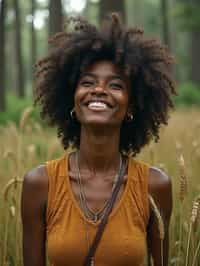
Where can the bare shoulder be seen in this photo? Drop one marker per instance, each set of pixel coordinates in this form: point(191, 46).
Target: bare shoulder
point(36, 183)
point(36, 177)
point(158, 180)
point(160, 188)
point(33, 214)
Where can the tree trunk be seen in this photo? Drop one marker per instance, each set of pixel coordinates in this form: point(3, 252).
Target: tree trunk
point(33, 44)
point(55, 16)
point(19, 60)
point(33, 34)
point(195, 54)
point(165, 22)
point(109, 6)
point(2, 56)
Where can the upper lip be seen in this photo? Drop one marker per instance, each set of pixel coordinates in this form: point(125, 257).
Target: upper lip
point(99, 100)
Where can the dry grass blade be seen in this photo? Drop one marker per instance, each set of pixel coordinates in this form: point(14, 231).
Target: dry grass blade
point(151, 261)
point(8, 186)
point(24, 118)
point(52, 148)
point(183, 179)
point(8, 154)
point(159, 218)
point(30, 149)
point(12, 211)
point(195, 210)
point(179, 147)
point(196, 214)
point(161, 227)
point(196, 254)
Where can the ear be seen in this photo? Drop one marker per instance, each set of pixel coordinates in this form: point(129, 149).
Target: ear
point(130, 109)
point(129, 115)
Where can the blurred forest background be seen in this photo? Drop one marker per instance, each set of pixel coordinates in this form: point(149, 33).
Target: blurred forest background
point(26, 25)
point(25, 142)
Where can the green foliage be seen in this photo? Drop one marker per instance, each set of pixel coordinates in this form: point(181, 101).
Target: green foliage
point(187, 15)
point(189, 95)
point(15, 108)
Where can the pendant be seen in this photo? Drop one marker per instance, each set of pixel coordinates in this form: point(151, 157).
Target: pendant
point(95, 218)
point(92, 262)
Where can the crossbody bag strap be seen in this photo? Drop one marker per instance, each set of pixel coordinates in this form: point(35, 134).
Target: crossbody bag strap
point(101, 227)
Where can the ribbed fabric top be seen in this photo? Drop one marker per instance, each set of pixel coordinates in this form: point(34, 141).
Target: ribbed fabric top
point(69, 231)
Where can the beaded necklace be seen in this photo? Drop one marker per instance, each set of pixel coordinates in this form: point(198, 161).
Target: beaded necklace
point(94, 216)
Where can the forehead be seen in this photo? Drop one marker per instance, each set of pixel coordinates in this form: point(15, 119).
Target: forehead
point(104, 68)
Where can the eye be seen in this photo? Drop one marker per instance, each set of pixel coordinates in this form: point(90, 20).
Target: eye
point(87, 83)
point(115, 85)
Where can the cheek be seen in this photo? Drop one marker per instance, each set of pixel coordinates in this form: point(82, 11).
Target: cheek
point(124, 101)
point(78, 96)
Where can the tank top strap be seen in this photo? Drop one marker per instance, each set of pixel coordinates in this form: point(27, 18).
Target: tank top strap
point(57, 171)
point(139, 173)
point(57, 166)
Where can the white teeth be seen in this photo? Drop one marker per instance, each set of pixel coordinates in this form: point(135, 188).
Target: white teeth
point(97, 105)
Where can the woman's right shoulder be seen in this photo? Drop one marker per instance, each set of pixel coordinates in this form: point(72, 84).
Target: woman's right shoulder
point(36, 181)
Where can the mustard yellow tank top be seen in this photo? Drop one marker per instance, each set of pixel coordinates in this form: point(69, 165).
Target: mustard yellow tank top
point(124, 240)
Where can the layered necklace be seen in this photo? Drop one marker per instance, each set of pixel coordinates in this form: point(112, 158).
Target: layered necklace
point(90, 214)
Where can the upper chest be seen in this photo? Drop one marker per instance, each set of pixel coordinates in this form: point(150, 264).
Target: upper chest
point(94, 190)
point(97, 191)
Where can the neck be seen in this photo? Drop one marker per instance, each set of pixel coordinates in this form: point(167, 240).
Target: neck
point(99, 150)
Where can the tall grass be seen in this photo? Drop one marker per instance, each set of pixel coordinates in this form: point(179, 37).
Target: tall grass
point(27, 144)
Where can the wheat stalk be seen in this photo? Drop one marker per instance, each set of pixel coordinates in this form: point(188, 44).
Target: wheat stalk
point(197, 215)
point(183, 179)
point(52, 148)
point(193, 217)
point(5, 240)
point(195, 210)
point(159, 218)
point(179, 147)
point(12, 182)
point(24, 117)
point(161, 227)
point(151, 261)
point(8, 154)
point(196, 254)
point(182, 195)
point(12, 129)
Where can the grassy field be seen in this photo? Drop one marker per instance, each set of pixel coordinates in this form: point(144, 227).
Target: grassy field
point(28, 144)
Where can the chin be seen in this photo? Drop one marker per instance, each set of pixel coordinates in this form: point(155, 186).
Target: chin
point(100, 123)
point(97, 122)
point(99, 119)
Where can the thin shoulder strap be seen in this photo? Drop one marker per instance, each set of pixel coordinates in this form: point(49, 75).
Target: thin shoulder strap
point(89, 258)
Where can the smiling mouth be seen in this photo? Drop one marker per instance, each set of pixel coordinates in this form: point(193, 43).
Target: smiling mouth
point(97, 106)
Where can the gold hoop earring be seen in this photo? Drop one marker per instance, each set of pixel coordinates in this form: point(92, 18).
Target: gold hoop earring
point(129, 117)
point(73, 114)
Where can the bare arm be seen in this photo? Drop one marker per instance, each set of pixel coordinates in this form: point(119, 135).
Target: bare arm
point(161, 191)
point(33, 202)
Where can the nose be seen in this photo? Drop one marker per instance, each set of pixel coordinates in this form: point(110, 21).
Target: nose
point(99, 90)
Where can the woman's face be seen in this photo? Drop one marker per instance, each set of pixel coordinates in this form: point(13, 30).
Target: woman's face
point(102, 95)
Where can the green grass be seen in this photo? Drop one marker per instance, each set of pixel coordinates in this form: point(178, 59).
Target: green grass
point(15, 107)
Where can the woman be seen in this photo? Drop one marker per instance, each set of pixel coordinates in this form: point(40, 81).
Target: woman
point(108, 91)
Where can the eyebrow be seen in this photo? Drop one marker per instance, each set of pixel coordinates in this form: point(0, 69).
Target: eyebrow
point(95, 76)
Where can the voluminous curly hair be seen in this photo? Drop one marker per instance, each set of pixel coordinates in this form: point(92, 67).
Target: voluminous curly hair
point(145, 61)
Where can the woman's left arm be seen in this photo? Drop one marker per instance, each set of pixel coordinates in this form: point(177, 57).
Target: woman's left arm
point(160, 189)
